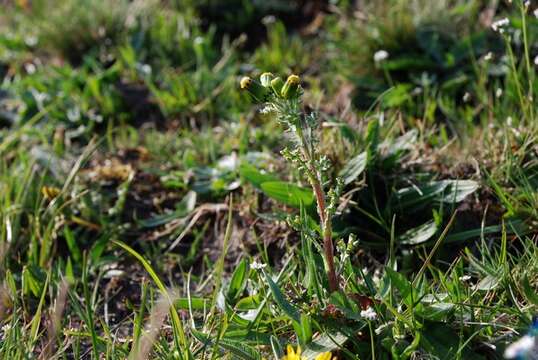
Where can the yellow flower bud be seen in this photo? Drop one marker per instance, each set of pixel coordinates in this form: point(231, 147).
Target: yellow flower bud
point(266, 78)
point(256, 91)
point(291, 87)
point(245, 82)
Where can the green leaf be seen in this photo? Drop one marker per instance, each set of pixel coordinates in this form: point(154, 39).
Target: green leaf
point(416, 196)
point(408, 62)
point(405, 142)
point(458, 190)
point(196, 303)
point(288, 193)
point(36, 320)
point(397, 96)
point(183, 208)
point(99, 246)
point(238, 282)
point(419, 234)
point(435, 312)
point(327, 342)
point(447, 191)
point(372, 139)
point(248, 303)
point(350, 309)
point(281, 301)
point(306, 329)
point(72, 245)
point(33, 278)
point(238, 348)
point(530, 293)
point(442, 342)
point(249, 173)
point(489, 282)
point(401, 283)
point(353, 168)
point(278, 352)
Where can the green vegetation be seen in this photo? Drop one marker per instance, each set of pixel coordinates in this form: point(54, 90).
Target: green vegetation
point(163, 196)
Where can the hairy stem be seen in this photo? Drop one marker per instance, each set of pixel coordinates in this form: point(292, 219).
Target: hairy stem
point(326, 226)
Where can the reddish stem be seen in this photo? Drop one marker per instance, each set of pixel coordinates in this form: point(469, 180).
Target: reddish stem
point(326, 228)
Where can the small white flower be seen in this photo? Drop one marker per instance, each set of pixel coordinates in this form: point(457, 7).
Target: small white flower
point(380, 56)
point(527, 4)
point(257, 266)
point(5, 329)
point(465, 278)
point(498, 93)
point(376, 277)
point(535, 12)
point(536, 60)
point(488, 56)
point(145, 69)
point(466, 97)
point(382, 328)
point(266, 110)
point(30, 40)
point(369, 314)
point(498, 26)
point(30, 68)
point(269, 19)
point(113, 273)
point(509, 121)
point(417, 91)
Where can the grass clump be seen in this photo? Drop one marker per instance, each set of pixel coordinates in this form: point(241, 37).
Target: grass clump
point(74, 29)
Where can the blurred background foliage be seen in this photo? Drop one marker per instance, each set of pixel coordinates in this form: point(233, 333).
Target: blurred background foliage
point(185, 57)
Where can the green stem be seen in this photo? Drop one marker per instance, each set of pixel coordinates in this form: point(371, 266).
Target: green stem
point(527, 56)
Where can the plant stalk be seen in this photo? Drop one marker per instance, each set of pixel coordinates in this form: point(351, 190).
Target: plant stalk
point(325, 221)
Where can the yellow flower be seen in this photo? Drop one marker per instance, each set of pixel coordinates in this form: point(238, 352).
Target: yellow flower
point(325, 356)
point(292, 355)
point(50, 192)
point(296, 355)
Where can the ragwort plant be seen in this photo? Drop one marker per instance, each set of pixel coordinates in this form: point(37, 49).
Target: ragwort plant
point(284, 100)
